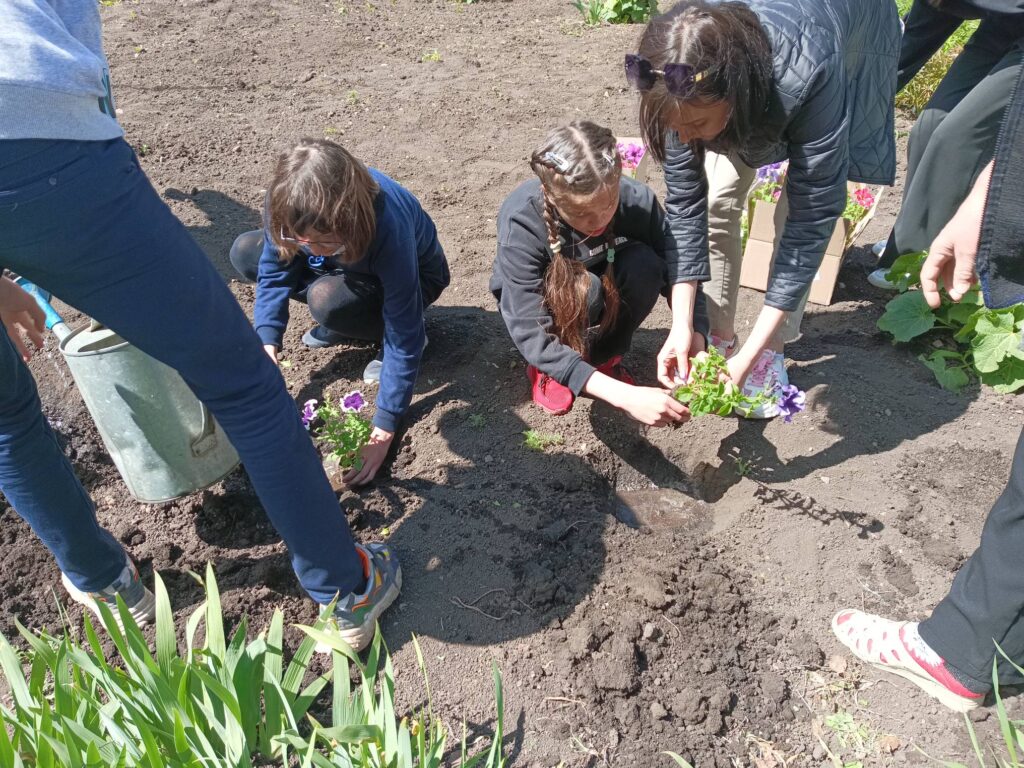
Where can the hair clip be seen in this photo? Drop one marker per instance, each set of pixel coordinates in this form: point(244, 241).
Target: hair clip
point(609, 157)
point(560, 163)
point(556, 248)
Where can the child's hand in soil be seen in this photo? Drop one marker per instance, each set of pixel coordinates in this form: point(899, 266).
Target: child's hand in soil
point(654, 407)
point(20, 314)
point(373, 454)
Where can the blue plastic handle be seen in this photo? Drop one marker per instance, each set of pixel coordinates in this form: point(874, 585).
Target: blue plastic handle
point(43, 300)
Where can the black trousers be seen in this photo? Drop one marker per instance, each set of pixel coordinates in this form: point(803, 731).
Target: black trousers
point(350, 304)
point(985, 605)
point(640, 277)
point(955, 136)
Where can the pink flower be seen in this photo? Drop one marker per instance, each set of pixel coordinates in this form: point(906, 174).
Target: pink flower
point(776, 194)
point(352, 402)
point(864, 198)
point(631, 154)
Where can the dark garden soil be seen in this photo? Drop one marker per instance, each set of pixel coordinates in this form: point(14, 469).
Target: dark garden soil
point(706, 630)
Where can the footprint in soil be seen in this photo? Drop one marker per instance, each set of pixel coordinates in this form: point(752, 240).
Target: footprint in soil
point(897, 572)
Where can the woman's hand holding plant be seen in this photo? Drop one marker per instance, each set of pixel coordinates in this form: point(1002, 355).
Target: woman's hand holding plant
point(682, 343)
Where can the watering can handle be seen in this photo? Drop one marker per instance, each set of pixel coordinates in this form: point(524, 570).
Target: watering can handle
point(206, 440)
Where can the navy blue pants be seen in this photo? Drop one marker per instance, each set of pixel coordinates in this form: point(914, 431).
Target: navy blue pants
point(81, 220)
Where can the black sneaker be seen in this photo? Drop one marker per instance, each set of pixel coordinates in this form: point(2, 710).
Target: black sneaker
point(319, 337)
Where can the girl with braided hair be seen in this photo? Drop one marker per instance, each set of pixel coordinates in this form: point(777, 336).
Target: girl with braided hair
point(580, 265)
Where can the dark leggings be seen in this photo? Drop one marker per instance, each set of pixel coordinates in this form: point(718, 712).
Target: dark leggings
point(348, 303)
point(640, 277)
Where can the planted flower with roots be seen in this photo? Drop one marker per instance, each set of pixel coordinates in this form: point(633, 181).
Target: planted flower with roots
point(341, 427)
point(708, 390)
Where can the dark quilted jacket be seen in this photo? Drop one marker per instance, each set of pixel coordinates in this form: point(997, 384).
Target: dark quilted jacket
point(831, 116)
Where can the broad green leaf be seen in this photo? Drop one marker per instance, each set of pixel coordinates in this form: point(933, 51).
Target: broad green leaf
point(995, 339)
point(965, 334)
point(905, 272)
point(1008, 378)
point(952, 378)
point(907, 316)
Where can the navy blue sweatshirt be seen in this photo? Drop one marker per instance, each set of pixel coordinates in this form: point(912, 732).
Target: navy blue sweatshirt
point(404, 254)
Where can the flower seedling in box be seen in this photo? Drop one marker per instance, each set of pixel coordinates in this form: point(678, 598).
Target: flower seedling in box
point(709, 391)
point(341, 427)
point(768, 182)
point(858, 203)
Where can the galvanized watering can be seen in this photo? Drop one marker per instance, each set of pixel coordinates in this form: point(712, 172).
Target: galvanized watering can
point(164, 442)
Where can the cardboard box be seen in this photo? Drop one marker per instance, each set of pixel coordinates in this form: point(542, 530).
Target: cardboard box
point(765, 230)
point(642, 173)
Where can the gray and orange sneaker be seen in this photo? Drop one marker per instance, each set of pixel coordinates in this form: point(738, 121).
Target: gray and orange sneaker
point(140, 601)
point(355, 615)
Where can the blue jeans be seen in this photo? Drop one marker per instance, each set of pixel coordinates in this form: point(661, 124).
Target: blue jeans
point(81, 220)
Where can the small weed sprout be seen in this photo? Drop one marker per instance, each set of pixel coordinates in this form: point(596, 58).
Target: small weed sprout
point(541, 441)
point(477, 420)
point(742, 466)
point(433, 56)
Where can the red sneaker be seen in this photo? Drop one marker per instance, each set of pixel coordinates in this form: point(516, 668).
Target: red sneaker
point(548, 393)
point(617, 370)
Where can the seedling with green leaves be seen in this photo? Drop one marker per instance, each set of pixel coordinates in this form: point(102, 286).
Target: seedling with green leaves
point(541, 441)
point(984, 341)
point(709, 391)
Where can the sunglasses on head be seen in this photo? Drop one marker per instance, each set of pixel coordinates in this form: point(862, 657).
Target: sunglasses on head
point(680, 79)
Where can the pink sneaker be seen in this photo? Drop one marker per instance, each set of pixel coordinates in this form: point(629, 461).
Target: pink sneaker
point(896, 647)
point(769, 376)
point(723, 346)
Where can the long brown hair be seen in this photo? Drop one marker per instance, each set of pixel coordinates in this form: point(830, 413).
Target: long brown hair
point(577, 160)
point(724, 41)
point(318, 186)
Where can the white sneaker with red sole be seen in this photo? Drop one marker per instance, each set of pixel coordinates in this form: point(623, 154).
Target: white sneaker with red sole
point(896, 647)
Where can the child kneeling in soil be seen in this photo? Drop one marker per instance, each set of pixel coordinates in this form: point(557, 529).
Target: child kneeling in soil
point(359, 250)
point(580, 265)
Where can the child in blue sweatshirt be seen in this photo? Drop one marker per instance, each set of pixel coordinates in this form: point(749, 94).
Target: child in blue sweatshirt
point(359, 250)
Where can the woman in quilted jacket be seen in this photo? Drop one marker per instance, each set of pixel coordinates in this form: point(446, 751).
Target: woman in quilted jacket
point(727, 87)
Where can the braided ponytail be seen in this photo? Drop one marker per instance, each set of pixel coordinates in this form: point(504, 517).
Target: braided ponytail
point(579, 159)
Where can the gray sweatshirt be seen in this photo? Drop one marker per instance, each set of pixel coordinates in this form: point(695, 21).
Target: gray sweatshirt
point(523, 258)
point(54, 79)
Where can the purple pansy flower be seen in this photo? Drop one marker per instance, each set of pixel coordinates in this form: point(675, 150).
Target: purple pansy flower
point(352, 402)
point(772, 172)
point(792, 402)
point(308, 412)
